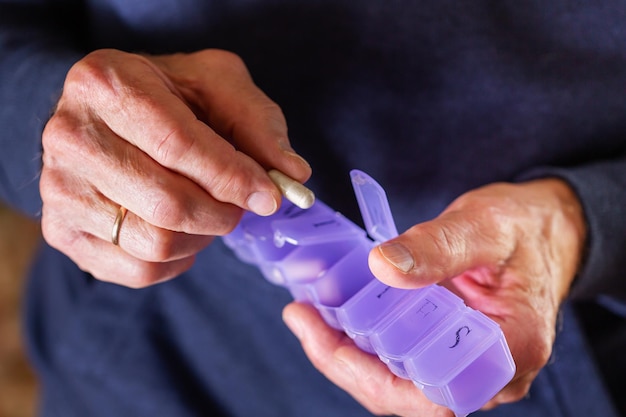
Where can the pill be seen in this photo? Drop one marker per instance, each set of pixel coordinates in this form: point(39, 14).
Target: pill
point(292, 190)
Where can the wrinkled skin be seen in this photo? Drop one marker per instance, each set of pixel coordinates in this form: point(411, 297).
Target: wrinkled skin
point(509, 250)
point(182, 141)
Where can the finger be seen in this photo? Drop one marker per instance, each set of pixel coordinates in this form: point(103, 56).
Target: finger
point(149, 115)
point(149, 243)
point(127, 176)
point(95, 256)
point(516, 390)
point(105, 261)
point(362, 375)
point(249, 119)
point(90, 212)
point(529, 327)
point(443, 248)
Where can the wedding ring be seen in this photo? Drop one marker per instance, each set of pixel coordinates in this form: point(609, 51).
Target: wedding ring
point(115, 233)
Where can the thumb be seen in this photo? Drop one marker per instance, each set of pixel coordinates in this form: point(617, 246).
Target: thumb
point(445, 247)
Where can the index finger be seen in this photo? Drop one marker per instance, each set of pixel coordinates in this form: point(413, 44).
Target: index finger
point(139, 106)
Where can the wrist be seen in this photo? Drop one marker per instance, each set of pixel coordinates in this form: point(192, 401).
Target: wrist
point(567, 222)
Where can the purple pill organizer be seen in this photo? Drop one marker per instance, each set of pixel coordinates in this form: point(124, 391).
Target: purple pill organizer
point(457, 356)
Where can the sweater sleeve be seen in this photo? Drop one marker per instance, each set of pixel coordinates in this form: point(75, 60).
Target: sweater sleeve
point(601, 187)
point(38, 44)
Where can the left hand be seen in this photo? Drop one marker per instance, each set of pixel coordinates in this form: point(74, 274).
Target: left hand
point(509, 250)
point(182, 141)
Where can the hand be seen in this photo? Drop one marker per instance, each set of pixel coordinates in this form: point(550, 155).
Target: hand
point(182, 141)
point(360, 374)
point(510, 251)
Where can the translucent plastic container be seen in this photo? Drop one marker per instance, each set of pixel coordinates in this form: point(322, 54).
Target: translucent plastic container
point(457, 356)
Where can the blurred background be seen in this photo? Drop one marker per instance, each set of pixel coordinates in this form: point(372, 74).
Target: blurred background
point(19, 237)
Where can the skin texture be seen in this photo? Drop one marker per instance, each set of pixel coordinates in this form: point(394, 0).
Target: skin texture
point(509, 250)
point(182, 141)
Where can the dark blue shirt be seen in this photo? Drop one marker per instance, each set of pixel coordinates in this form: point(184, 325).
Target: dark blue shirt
point(432, 99)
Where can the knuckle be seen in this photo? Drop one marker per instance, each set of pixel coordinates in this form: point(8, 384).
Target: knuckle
point(270, 113)
point(172, 212)
point(58, 231)
point(225, 224)
point(446, 241)
point(51, 188)
point(58, 235)
point(229, 185)
point(267, 110)
point(217, 222)
point(498, 216)
point(172, 147)
point(102, 80)
point(60, 129)
point(168, 211)
point(225, 183)
point(66, 138)
point(226, 60)
point(87, 73)
point(161, 246)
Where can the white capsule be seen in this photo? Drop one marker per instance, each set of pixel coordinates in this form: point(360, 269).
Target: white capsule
point(292, 190)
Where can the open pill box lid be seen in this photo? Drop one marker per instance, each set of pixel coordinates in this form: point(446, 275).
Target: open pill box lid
point(374, 207)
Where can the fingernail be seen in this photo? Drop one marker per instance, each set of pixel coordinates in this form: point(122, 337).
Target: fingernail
point(299, 158)
point(262, 203)
point(397, 255)
point(286, 147)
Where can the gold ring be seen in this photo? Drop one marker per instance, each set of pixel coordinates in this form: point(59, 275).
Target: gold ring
point(115, 233)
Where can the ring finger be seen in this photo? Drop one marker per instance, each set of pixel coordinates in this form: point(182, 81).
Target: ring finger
point(79, 209)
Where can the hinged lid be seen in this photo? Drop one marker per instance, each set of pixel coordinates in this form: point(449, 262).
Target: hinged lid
point(374, 206)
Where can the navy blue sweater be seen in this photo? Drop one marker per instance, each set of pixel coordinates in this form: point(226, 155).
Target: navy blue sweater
point(431, 98)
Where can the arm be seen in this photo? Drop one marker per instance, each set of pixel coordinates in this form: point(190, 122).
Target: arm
point(182, 141)
point(36, 50)
point(510, 250)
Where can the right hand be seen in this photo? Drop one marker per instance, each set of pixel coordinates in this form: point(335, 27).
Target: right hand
point(182, 141)
point(509, 250)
